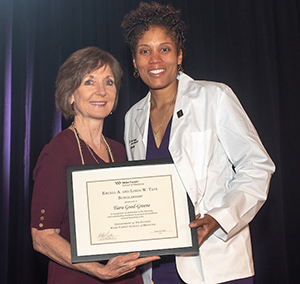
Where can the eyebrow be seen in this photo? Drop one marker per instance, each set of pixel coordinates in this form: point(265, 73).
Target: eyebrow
point(91, 76)
point(167, 42)
point(143, 44)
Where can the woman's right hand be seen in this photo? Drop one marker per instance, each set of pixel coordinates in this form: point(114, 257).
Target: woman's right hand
point(122, 265)
point(206, 226)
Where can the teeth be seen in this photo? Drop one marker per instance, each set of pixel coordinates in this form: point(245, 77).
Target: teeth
point(156, 71)
point(98, 103)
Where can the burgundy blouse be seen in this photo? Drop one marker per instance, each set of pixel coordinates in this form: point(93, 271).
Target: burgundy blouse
point(49, 207)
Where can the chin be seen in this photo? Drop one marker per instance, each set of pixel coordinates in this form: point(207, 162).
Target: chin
point(156, 84)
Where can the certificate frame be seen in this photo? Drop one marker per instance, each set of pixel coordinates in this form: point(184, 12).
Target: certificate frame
point(128, 201)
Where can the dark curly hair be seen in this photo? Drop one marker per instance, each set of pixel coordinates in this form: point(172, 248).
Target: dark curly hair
point(138, 21)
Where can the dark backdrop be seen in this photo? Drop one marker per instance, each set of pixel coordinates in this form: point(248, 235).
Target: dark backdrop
point(251, 45)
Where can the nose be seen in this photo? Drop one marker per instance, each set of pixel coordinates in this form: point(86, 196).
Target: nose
point(100, 89)
point(155, 57)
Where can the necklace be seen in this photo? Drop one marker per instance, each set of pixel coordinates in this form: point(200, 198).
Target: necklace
point(162, 122)
point(89, 148)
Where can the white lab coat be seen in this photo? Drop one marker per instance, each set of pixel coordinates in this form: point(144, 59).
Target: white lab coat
point(224, 167)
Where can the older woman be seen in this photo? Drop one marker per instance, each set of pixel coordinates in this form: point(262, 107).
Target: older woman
point(215, 148)
point(87, 88)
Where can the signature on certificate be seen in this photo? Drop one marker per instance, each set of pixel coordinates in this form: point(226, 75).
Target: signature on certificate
point(106, 236)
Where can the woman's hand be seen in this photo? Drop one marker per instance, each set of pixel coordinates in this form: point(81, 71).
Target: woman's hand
point(206, 226)
point(51, 244)
point(122, 265)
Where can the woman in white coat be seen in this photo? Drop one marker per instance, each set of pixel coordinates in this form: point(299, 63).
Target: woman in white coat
point(202, 126)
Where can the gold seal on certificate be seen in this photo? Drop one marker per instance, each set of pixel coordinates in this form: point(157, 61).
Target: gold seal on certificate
point(119, 208)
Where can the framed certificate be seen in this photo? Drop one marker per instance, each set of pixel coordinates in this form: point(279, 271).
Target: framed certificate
point(137, 206)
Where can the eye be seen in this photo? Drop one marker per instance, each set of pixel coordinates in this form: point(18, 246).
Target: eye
point(109, 82)
point(144, 51)
point(165, 49)
point(88, 82)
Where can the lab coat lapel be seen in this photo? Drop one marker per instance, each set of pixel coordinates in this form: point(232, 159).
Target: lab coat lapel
point(180, 124)
point(182, 107)
point(141, 120)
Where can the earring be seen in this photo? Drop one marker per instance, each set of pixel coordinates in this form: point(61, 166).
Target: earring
point(136, 73)
point(180, 68)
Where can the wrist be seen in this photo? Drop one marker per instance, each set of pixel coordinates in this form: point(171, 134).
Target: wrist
point(94, 269)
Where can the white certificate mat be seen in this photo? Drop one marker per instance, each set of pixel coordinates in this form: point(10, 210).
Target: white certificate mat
point(138, 206)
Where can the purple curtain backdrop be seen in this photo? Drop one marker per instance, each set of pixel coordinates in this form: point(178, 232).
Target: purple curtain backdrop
point(6, 46)
point(251, 45)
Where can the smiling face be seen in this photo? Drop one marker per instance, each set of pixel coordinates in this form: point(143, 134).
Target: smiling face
point(95, 97)
point(157, 59)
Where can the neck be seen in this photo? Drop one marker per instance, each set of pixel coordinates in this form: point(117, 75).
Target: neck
point(161, 97)
point(90, 131)
point(101, 151)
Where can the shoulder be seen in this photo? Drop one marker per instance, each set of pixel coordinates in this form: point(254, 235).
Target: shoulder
point(66, 135)
point(204, 91)
point(61, 142)
point(59, 151)
point(188, 84)
point(142, 104)
point(210, 87)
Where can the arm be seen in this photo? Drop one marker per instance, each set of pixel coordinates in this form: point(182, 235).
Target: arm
point(237, 168)
point(51, 244)
point(252, 167)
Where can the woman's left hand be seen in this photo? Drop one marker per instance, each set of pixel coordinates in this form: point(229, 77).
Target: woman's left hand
point(206, 226)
